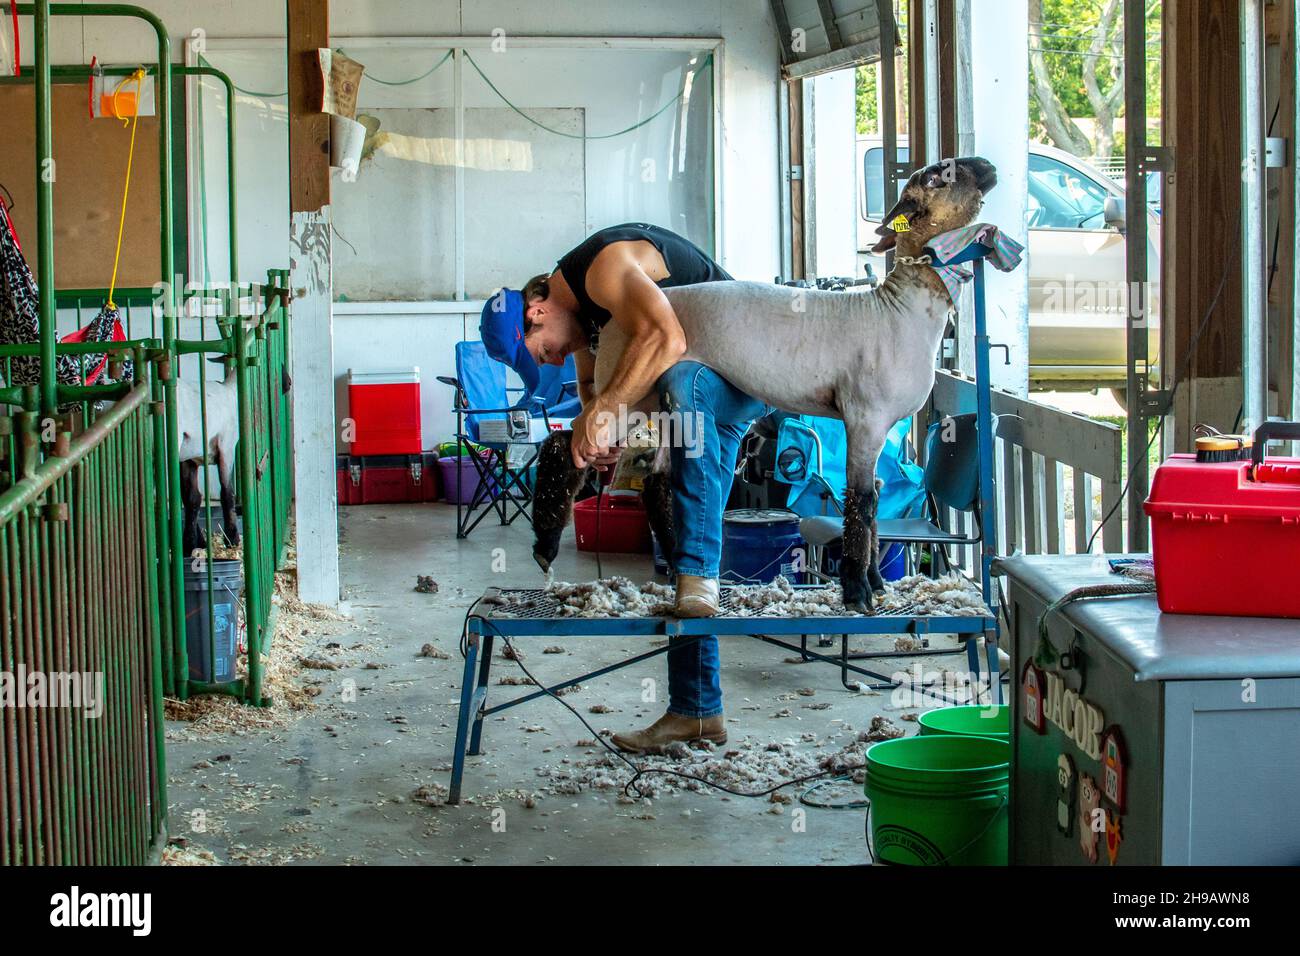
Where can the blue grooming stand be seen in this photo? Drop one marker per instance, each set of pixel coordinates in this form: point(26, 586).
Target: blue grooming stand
point(541, 618)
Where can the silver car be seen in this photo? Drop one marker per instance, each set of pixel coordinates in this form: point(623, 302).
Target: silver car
point(1077, 299)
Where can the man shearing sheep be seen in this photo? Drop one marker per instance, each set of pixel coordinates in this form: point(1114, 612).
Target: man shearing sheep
point(617, 275)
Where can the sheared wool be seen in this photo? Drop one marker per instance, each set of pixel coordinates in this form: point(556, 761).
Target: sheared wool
point(750, 766)
point(916, 594)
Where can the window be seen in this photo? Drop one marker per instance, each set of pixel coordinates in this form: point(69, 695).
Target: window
point(873, 175)
point(1061, 197)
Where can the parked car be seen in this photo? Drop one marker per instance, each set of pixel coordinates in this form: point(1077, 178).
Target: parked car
point(1075, 215)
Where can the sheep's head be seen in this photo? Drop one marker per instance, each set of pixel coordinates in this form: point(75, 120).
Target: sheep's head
point(937, 199)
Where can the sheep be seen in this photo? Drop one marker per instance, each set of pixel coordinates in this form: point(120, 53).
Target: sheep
point(866, 358)
point(223, 434)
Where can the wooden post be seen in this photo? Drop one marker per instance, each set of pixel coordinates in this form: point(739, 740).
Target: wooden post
point(948, 96)
point(1202, 214)
point(798, 244)
point(310, 278)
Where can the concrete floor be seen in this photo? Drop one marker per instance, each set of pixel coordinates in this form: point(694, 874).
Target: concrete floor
point(335, 786)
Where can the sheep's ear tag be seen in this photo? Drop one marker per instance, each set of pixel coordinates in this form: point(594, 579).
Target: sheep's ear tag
point(900, 224)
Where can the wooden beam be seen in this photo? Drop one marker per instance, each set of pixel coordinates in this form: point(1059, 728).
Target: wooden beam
point(827, 15)
point(1202, 213)
point(783, 33)
point(798, 253)
point(868, 51)
point(948, 78)
point(309, 128)
point(311, 279)
point(1284, 285)
point(916, 82)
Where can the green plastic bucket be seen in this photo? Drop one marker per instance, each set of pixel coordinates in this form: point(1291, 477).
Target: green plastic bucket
point(938, 800)
point(972, 720)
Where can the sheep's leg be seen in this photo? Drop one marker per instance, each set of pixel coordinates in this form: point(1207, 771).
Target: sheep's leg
point(860, 568)
point(657, 498)
point(558, 481)
point(226, 474)
point(191, 498)
point(873, 551)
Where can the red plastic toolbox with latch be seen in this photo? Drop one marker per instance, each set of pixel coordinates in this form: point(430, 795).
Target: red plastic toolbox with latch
point(385, 410)
point(1225, 535)
point(386, 479)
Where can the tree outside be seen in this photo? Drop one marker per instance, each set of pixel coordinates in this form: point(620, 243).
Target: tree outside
point(1076, 77)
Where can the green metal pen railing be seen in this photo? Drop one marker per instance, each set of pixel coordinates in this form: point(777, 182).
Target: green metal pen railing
point(91, 549)
point(258, 349)
point(82, 778)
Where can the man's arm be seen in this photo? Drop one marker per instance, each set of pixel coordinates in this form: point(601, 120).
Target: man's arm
point(618, 282)
point(584, 363)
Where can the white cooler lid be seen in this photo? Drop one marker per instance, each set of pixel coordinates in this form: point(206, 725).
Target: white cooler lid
point(390, 376)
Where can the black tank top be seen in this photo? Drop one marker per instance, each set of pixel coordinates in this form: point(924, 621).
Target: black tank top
point(687, 264)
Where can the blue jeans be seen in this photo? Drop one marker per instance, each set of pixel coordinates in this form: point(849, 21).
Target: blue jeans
point(714, 417)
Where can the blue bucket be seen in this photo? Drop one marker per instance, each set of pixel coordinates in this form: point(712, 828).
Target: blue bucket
point(759, 544)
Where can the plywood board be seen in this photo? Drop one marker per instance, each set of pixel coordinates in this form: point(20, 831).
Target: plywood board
point(90, 157)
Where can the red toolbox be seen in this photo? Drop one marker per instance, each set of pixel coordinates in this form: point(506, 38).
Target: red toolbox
point(624, 527)
point(387, 479)
point(385, 410)
point(1226, 534)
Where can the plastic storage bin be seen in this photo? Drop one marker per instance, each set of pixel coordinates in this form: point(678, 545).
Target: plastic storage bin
point(624, 528)
point(1225, 535)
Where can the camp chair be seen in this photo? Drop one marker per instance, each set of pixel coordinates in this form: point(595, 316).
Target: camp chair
point(481, 395)
point(909, 503)
point(557, 390)
point(950, 480)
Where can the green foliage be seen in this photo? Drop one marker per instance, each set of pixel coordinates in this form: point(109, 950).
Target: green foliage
point(1067, 34)
point(868, 108)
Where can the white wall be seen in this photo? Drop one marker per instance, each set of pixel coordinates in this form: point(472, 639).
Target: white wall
point(1000, 125)
point(748, 231)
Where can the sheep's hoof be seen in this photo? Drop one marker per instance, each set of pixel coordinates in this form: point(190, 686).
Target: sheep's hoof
point(546, 545)
point(857, 598)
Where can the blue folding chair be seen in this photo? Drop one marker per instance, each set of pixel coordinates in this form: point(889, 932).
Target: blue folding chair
point(481, 394)
point(557, 390)
point(910, 509)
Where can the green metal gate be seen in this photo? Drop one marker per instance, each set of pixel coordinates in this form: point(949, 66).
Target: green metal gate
point(91, 558)
point(82, 778)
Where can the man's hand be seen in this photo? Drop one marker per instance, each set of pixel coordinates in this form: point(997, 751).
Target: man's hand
point(591, 439)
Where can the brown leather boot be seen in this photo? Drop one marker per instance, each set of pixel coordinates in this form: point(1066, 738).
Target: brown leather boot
point(671, 728)
point(696, 596)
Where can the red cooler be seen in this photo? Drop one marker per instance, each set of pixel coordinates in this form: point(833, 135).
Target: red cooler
point(385, 409)
point(1226, 534)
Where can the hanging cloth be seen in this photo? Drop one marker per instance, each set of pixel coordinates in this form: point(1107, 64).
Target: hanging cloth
point(19, 320)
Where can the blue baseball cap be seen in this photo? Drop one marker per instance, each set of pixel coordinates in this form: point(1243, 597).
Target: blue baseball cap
point(501, 327)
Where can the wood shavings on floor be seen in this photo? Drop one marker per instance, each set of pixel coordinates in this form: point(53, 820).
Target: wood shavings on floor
point(186, 855)
point(951, 595)
point(299, 655)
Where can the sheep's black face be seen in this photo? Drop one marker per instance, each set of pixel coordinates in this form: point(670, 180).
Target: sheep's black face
point(939, 198)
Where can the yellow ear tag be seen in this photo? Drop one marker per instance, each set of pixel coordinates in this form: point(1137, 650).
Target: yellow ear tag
point(900, 224)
